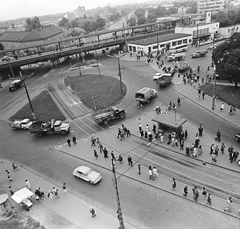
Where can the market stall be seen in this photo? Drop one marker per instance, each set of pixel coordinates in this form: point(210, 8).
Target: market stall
point(23, 198)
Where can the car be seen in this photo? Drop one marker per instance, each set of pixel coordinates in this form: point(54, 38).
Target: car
point(211, 47)
point(24, 124)
point(85, 173)
point(199, 53)
point(15, 84)
point(237, 137)
point(157, 76)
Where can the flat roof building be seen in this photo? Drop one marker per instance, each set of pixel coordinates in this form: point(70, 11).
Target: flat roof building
point(148, 45)
point(213, 6)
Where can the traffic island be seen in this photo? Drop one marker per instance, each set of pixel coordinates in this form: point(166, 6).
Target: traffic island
point(97, 92)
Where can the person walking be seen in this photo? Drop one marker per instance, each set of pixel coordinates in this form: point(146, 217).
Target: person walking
point(100, 147)
point(222, 107)
point(150, 172)
point(10, 190)
point(204, 193)
point(95, 154)
point(229, 204)
point(113, 156)
point(105, 153)
point(55, 192)
point(92, 211)
point(27, 184)
point(222, 148)
point(196, 195)
point(140, 127)
point(174, 184)
point(50, 195)
point(64, 187)
point(185, 191)
point(14, 166)
point(218, 136)
point(211, 149)
point(200, 130)
point(9, 176)
point(203, 95)
point(130, 162)
point(185, 134)
point(93, 140)
point(209, 199)
point(178, 101)
point(74, 140)
point(68, 142)
point(154, 173)
point(139, 169)
point(194, 191)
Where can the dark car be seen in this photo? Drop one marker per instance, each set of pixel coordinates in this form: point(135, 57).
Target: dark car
point(237, 137)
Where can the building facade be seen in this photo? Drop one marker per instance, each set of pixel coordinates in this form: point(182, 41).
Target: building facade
point(145, 46)
point(213, 6)
point(80, 12)
point(229, 30)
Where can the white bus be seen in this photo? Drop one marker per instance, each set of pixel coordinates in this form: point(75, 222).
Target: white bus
point(178, 48)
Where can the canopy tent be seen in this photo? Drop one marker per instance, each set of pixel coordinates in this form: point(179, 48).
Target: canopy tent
point(22, 195)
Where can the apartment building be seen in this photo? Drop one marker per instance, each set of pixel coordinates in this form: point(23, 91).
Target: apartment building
point(213, 6)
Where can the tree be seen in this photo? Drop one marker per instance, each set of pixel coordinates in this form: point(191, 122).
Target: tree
point(64, 22)
point(1, 46)
point(100, 23)
point(115, 17)
point(74, 23)
point(87, 27)
point(142, 20)
point(226, 58)
point(32, 23)
point(131, 21)
point(172, 10)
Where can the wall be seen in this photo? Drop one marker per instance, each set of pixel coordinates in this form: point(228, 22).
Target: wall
point(228, 31)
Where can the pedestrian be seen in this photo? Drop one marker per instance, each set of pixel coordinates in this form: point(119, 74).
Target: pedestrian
point(216, 150)
point(187, 151)
point(140, 127)
point(10, 190)
point(68, 142)
point(200, 130)
point(150, 172)
point(92, 211)
point(200, 151)
point(178, 101)
point(218, 136)
point(141, 133)
point(113, 156)
point(74, 140)
point(203, 94)
point(229, 204)
point(194, 191)
point(128, 132)
point(204, 193)
point(196, 195)
point(202, 80)
point(97, 141)
point(93, 140)
point(100, 147)
point(211, 149)
point(154, 173)
point(50, 195)
point(185, 191)
point(154, 128)
point(139, 169)
point(186, 134)
point(64, 187)
point(27, 184)
point(162, 138)
point(105, 152)
point(222, 107)
point(95, 154)
point(222, 148)
point(174, 184)
point(209, 199)
point(122, 135)
point(235, 155)
point(14, 166)
point(199, 93)
point(9, 176)
point(130, 162)
point(214, 159)
point(181, 144)
point(147, 127)
point(55, 192)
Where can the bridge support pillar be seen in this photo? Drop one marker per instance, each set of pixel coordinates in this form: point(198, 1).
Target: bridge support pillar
point(6, 73)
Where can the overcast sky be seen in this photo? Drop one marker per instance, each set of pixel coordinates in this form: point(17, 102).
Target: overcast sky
point(12, 9)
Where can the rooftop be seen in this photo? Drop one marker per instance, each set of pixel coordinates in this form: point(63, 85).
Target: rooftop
point(163, 38)
point(199, 25)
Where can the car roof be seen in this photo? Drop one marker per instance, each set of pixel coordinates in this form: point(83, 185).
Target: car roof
point(16, 81)
point(83, 169)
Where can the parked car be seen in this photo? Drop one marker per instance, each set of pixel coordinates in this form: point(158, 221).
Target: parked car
point(85, 173)
point(24, 124)
point(237, 137)
point(165, 80)
point(15, 84)
point(157, 76)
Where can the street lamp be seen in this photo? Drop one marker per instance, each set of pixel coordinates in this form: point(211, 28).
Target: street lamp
point(214, 86)
point(119, 210)
point(119, 68)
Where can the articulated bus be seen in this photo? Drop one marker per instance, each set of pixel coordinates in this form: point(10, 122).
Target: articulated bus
point(178, 48)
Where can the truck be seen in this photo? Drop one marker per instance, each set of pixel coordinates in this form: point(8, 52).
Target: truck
point(56, 127)
point(105, 115)
point(176, 56)
point(145, 94)
point(164, 80)
point(199, 53)
point(15, 84)
point(24, 124)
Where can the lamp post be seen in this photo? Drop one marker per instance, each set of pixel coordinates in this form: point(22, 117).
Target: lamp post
point(214, 86)
point(119, 210)
point(29, 100)
point(119, 68)
point(94, 103)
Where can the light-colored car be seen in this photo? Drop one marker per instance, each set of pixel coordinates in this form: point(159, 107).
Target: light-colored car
point(87, 174)
point(24, 124)
point(157, 76)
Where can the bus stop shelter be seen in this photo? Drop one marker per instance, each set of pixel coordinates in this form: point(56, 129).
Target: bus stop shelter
point(169, 123)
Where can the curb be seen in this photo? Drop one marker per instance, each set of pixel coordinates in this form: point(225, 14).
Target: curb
point(206, 108)
point(157, 187)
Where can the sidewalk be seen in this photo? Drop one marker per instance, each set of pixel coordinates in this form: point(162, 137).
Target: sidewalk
point(77, 214)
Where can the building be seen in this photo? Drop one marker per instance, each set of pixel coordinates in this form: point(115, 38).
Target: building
point(11, 40)
point(229, 30)
point(200, 32)
point(213, 6)
point(149, 45)
point(80, 12)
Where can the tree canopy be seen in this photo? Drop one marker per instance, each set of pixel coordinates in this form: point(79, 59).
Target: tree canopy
point(32, 23)
point(226, 58)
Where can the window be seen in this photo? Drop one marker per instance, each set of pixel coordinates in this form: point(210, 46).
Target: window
point(130, 48)
point(162, 45)
point(185, 41)
point(174, 43)
point(134, 49)
point(155, 47)
point(180, 42)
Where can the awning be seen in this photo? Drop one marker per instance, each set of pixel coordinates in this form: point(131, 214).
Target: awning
point(21, 194)
point(202, 35)
point(169, 120)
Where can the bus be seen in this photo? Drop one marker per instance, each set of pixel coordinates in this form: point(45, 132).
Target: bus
point(178, 48)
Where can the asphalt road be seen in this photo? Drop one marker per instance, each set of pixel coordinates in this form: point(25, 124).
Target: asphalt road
point(143, 205)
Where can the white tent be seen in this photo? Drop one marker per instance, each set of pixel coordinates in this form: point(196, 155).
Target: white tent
point(22, 195)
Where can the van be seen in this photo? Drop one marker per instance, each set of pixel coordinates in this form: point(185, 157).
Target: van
point(176, 56)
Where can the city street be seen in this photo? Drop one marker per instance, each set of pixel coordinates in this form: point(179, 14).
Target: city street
point(143, 205)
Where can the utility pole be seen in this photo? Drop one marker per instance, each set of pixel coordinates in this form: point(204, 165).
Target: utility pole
point(120, 74)
point(214, 86)
point(119, 210)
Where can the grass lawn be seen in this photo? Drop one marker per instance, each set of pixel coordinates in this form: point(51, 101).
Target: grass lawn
point(227, 94)
point(44, 107)
point(105, 90)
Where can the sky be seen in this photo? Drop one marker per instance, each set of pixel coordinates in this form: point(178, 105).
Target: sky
point(12, 9)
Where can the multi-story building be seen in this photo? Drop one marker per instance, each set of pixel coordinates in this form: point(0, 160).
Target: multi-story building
point(80, 12)
point(213, 6)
